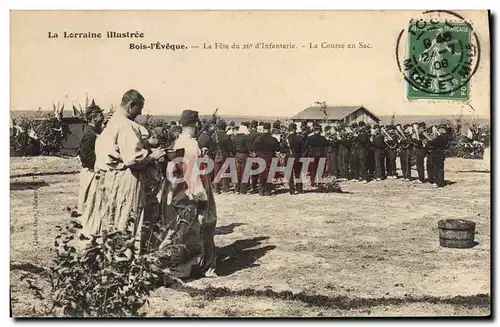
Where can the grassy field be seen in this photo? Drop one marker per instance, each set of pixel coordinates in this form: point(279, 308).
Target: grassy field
point(371, 251)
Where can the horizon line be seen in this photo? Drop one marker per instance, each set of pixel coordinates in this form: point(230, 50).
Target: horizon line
point(270, 116)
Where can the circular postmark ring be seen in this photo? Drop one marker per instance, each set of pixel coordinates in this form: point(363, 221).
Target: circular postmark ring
point(442, 55)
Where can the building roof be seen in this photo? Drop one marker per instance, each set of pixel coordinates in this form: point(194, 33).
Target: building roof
point(333, 113)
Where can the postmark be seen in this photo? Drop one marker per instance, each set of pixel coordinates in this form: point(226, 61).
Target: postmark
point(437, 55)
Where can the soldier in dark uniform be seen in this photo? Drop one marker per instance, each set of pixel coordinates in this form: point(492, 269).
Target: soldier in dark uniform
point(303, 127)
point(332, 152)
point(379, 153)
point(361, 144)
point(275, 131)
point(252, 135)
point(420, 152)
point(241, 149)
point(266, 146)
point(439, 144)
point(391, 153)
point(353, 162)
point(370, 158)
point(345, 144)
point(205, 141)
point(207, 146)
point(305, 131)
point(429, 149)
point(406, 149)
point(293, 146)
point(316, 148)
point(223, 150)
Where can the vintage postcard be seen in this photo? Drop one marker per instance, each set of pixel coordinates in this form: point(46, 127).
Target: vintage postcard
point(250, 164)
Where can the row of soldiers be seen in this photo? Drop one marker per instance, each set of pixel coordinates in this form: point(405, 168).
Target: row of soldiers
point(362, 152)
point(357, 152)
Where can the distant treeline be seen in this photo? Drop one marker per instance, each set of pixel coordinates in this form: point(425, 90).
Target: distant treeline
point(385, 120)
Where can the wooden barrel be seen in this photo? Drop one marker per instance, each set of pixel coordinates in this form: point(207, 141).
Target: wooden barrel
point(456, 233)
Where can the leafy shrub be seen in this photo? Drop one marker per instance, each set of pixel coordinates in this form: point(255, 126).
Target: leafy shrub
point(464, 147)
point(20, 143)
point(51, 133)
point(50, 137)
point(150, 123)
point(104, 279)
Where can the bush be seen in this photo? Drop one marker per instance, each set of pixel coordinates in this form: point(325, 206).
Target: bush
point(105, 279)
point(150, 123)
point(50, 133)
point(20, 143)
point(464, 147)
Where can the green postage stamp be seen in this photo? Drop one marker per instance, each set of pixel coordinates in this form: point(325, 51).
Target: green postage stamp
point(442, 56)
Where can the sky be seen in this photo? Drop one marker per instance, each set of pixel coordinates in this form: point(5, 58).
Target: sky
point(247, 82)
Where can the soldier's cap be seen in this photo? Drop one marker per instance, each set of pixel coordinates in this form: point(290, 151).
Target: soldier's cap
point(232, 123)
point(266, 126)
point(406, 126)
point(361, 124)
point(246, 124)
point(316, 127)
point(327, 128)
point(254, 123)
point(91, 110)
point(221, 124)
point(292, 127)
point(354, 125)
point(173, 122)
point(422, 125)
point(175, 128)
point(261, 123)
point(189, 118)
point(276, 125)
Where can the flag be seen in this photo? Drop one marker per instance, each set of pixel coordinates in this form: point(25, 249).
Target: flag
point(469, 133)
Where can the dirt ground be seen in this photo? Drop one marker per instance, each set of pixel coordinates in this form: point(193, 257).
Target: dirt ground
point(371, 251)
